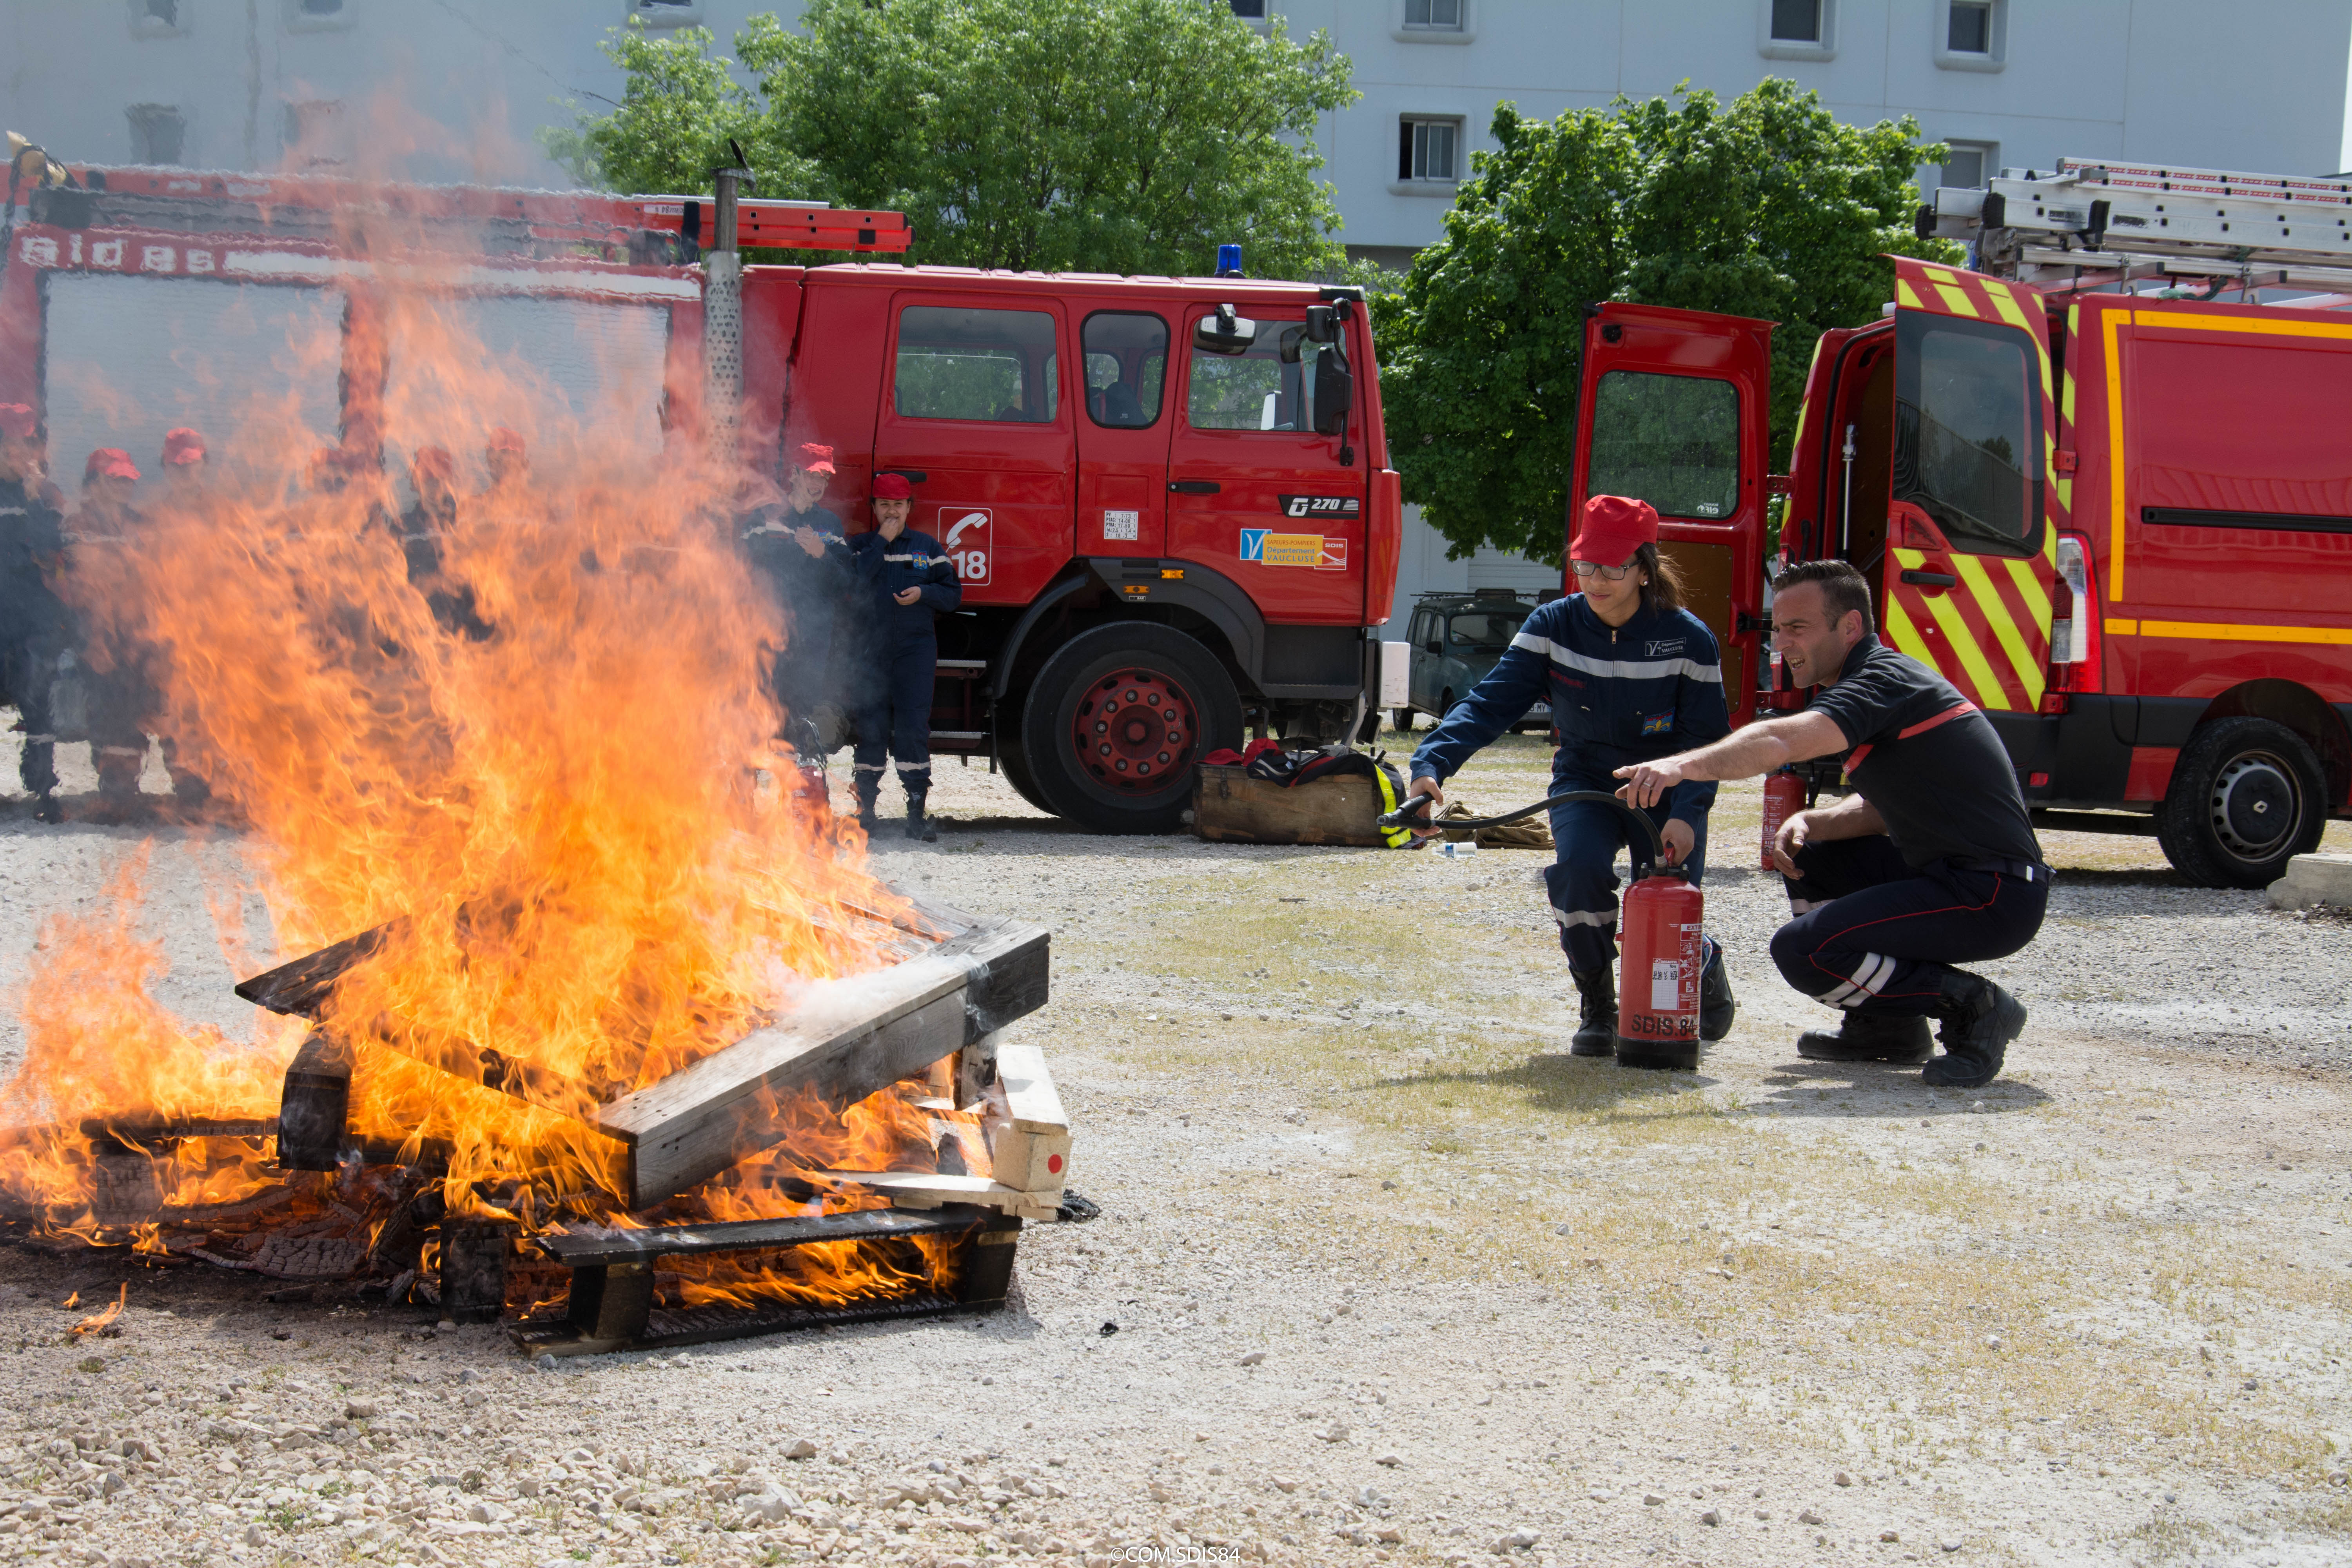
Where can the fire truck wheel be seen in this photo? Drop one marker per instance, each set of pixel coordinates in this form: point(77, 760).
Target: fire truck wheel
point(1401, 718)
point(1015, 760)
point(1116, 721)
point(2247, 795)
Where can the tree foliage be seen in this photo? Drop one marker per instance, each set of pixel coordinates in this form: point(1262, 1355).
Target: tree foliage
point(1108, 135)
point(1766, 207)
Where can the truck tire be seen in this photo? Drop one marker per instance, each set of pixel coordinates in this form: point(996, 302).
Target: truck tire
point(2247, 797)
point(1117, 720)
point(1014, 760)
point(1401, 718)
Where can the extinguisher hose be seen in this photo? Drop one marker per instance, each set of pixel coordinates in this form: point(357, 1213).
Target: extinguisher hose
point(1415, 814)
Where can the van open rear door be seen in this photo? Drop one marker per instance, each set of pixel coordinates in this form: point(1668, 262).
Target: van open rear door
point(1676, 409)
point(1969, 553)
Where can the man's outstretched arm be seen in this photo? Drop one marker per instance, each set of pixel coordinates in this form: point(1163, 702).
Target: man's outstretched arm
point(1758, 749)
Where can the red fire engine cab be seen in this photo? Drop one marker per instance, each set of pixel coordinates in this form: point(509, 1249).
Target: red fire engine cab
point(1169, 498)
point(2101, 486)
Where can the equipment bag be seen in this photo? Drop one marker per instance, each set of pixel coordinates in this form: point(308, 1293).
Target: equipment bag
point(1343, 761)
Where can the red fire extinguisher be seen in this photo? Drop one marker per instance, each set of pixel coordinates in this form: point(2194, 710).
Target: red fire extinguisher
point(1784, 796)
point(1657, 932)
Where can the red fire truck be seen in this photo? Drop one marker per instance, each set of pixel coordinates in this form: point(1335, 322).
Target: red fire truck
point(2101, 486)
point(1169, 498)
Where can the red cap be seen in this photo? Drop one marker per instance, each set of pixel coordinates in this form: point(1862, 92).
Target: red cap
point(1613, 527)
point(504, 440)
point(434, 461)
point(17, 419)
point(108, 462)
point(183, 445)
point(813, 458)
point(892, 486)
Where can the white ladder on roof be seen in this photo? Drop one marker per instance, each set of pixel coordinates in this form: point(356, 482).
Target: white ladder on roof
point(2100, 221)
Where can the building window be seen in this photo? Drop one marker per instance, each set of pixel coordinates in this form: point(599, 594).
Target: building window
point(1797, 21)
point(1967, 30)
point(319, 7)
point(1249, 10)
point(312, 132)
point(158, 19)
point(317, 16)
point(1973, 34)
point(1968, 162)
point(159, 133)
point(1797, 30)
point(1442, 15)
point(1429, 150)
point(666, 12)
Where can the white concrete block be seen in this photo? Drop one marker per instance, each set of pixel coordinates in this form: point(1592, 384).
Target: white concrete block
point(2314, 880)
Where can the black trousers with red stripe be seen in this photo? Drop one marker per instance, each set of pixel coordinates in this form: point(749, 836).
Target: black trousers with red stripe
point(1872, 934)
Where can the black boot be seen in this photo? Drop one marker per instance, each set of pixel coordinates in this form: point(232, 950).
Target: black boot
point(1978, 1020)
point(867, 785)
point(919, 826)
point(1715, 1007)
point(46, 809)
point(1596, 1018)
point(1868, 1037)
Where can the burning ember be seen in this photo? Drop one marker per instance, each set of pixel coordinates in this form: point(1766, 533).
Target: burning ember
point(593, 1009)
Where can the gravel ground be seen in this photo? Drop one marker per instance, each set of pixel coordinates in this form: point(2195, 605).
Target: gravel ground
point(1393, 1277)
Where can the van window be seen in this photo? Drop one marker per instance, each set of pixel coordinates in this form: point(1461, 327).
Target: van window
point(1483, 631)
point(1258, 390)
point(1968, 431)
point(958, 362)
point(1127, 365)
point(1670, 440)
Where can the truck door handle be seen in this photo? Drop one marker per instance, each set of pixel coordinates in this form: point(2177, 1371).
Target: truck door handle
point(1931, 579)
point(1193, 487)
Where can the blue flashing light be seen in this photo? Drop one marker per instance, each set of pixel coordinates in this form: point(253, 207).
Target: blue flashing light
point(1229, 261)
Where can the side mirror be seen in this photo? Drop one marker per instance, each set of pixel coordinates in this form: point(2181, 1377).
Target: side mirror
point(1292, 338)
point(1323, 324)
point(1224, 332)
point(1334, 395)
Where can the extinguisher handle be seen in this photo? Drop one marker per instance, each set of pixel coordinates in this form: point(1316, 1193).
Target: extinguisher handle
point(1415, 814)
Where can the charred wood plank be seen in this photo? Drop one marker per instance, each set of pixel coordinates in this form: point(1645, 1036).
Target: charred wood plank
point(601, 1248)
point(842, 1042)
point(315, 1104)
point(301, 989)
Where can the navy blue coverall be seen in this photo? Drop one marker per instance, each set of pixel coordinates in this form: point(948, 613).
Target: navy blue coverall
point(1625, 694)
point(33, 622)
point(810, 589)
point(902, 654)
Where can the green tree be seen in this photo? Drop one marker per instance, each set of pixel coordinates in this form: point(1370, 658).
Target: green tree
point(1110, 135)
point(1767, 207)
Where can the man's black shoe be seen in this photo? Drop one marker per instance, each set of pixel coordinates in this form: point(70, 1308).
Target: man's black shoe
point(1869, 1038)
point(1715, 1007)
point(49, 810)
point(1596, 1020)
point(1979, 1020)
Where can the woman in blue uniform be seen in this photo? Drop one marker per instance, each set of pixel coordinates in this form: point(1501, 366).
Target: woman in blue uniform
point(1632, 677)
point(908, 580)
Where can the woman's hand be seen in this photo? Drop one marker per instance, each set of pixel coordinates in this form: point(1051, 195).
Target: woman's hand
point(1428, 787)
point(1679, 836)
point(908, 595)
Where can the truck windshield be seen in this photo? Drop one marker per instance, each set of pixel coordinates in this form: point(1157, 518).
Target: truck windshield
point(1670, 440)
point(1967, 422)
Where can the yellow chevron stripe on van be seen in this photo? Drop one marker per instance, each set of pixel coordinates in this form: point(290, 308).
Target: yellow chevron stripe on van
point(1958, 301)
point(1904, 636)
point(1980, 586)
point(1905, 296)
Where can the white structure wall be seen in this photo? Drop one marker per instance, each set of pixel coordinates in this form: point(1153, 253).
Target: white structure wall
point(458, 89)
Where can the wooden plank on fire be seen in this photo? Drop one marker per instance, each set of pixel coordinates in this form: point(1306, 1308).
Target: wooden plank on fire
point(300, 988)
point(600, 1249)
point(925, 1190)
point(844, 1040)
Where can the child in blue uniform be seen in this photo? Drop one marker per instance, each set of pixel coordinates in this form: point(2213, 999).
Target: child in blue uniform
point(1632, 677)
point(908, 580)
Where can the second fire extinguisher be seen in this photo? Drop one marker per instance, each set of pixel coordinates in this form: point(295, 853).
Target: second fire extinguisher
point(1784, 796)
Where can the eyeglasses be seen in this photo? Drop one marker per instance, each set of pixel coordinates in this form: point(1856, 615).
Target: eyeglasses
point(1606, 573)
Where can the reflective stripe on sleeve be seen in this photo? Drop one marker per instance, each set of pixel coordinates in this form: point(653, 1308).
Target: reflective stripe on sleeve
point(1622, 669)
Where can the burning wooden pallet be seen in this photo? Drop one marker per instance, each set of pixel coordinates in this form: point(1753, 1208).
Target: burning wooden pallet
point(936, 1015)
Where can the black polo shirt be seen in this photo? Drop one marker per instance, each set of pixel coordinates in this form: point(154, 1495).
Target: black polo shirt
point(1928, 760)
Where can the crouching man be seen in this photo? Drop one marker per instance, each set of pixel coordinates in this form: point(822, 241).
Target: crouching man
point(1932, 862)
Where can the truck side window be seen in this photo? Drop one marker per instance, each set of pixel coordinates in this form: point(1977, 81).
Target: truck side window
point(1968, 431)
point(1670, 440)
point(1255, 390)
point(958, 362)
point(1126, 356)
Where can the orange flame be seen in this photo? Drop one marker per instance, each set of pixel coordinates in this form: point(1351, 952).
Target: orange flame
point(529, 751)
point(97, 1323)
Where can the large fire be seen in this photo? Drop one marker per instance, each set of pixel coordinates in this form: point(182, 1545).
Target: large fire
point(539, 767)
